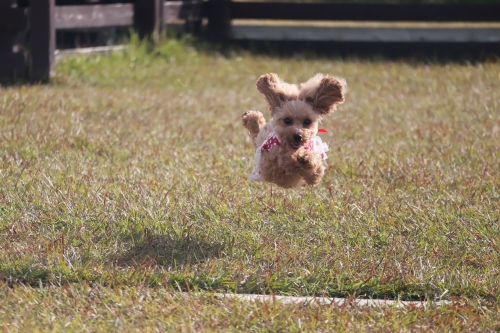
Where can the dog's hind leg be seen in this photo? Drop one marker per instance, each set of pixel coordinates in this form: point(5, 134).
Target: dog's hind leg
point(253, 121)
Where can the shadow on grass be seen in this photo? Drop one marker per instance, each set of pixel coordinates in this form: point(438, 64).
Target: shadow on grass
point(417, 53)
point(170, 251)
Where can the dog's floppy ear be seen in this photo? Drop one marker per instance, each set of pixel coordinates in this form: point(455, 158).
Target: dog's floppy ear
point(270, 86)
point(324, 93)
point(275, 91)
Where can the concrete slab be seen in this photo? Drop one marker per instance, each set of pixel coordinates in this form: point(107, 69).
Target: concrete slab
point(333, 301)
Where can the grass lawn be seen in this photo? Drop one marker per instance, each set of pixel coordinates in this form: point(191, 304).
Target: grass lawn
point(125, 180)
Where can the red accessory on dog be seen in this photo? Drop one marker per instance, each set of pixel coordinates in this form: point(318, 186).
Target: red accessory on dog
point(271, 141)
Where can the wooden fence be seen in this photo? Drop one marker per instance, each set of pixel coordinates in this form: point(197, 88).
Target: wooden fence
point(12, 20)
point(222, 12)
point(41, 18)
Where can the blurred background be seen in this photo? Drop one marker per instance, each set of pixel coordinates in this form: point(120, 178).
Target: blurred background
point(32, 31)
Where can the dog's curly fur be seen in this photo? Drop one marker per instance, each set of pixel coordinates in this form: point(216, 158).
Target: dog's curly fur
point(295, 113)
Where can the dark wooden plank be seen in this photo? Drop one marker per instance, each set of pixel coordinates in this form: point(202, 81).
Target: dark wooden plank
point(42, 39)
point(219, 16)
point(96, 16)
point(12, 64)
point(182, 10)
point(148, 18)
point(89, 2)
point(7, 39)
point(363, 12)
point(12, 19)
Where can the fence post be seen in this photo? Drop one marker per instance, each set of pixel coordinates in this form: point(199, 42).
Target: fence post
point(219, 20)
point(148, 18)
point(12, 20)
point(42, 39)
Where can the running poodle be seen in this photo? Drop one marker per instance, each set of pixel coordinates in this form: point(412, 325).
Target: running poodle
point(288, 151)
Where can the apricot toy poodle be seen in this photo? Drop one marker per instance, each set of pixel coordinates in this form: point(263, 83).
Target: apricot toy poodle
point(288, 151)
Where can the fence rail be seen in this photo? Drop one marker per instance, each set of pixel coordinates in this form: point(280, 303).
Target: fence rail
point(363, 12)
point(96, 16)
point(220, 13)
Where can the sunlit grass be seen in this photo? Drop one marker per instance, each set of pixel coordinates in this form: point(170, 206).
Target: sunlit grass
point(130, 171)
point(99, 309)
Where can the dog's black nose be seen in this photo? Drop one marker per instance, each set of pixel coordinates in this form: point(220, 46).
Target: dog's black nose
point(297, 137)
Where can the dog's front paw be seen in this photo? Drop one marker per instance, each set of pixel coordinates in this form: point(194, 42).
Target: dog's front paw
point(305, 158)
point(253, 116)
point(253, 121)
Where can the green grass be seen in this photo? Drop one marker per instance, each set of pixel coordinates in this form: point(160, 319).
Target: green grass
point(129, 172)
point(97, 309)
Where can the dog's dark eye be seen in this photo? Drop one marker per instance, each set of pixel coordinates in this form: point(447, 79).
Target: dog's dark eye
point(287, 121)
point(307, 122)
point(310, 100)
